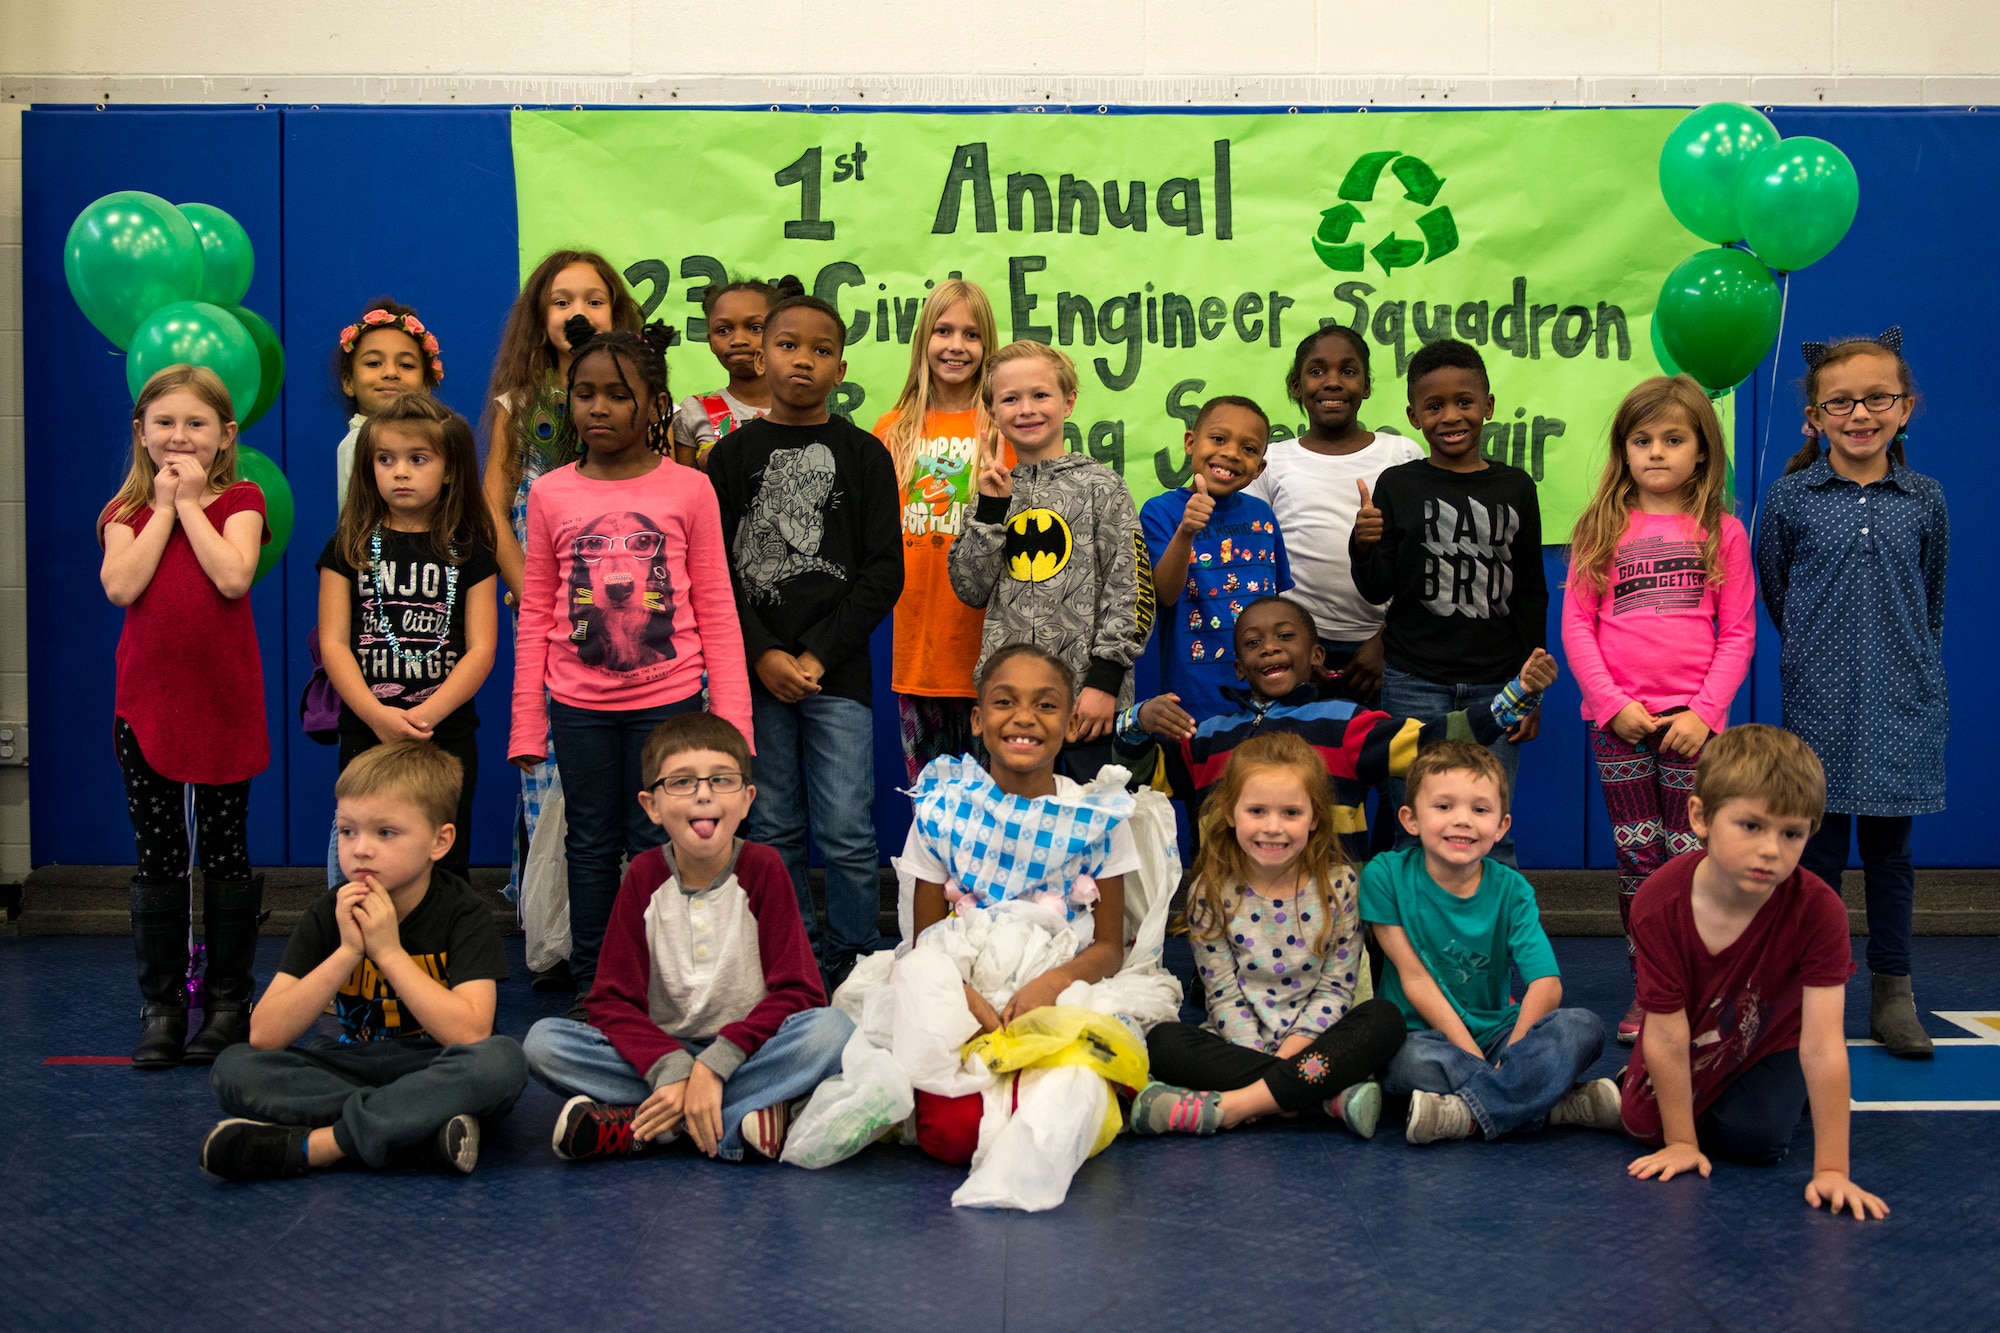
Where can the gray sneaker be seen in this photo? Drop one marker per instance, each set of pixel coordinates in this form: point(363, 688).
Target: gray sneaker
point(1593, 1105)
point(1435, 1117)
point(457, 1143)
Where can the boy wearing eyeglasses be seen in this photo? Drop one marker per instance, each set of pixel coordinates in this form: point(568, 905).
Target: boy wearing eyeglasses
point(707, 1018)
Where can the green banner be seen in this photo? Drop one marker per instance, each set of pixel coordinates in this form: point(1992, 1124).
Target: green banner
point(1175, 257)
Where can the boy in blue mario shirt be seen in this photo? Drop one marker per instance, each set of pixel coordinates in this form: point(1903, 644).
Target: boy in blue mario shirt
point(1215, 550)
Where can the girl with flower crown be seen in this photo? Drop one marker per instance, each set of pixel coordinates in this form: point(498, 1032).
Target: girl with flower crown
point(382, 355)
point(408, 617)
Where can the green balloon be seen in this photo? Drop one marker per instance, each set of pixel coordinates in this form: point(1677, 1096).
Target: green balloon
point(127, 255)
point(195, 333)
point(1668, 366)
point(1796, 200)
point(1718, 316)
point(226, 258)
point(271, 361)
point(1702, 164)
point(278, 510)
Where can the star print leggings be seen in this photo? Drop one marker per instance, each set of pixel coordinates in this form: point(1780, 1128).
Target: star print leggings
point(1349, 1052)
point(159, 820)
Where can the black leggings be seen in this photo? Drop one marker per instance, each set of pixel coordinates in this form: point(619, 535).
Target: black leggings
point(1345, 1054)
point(159, 819)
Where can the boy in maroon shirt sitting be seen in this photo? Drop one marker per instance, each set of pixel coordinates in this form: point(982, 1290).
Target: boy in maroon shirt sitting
point(707, 1017)
point(1743, 966)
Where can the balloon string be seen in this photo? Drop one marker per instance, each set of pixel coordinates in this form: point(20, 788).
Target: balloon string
point(1770, 409)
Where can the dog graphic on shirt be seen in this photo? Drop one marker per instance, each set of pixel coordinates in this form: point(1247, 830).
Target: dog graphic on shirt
point(621, 600)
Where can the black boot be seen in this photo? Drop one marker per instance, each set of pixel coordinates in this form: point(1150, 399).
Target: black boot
point(160, 934)
point(231, 912)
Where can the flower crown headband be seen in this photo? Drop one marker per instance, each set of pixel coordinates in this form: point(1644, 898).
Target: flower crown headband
point(410, 324)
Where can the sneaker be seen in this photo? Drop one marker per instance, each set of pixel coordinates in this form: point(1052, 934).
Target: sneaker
point(1358, 1107)
point(764, 1129)
point(457, 1143)
point(586, 1129)
point(1630, 1026)
point(579, 1012)
point(1162, 1108)
point(253, 1150)
point(1435, 1117)
point(1593, 1105)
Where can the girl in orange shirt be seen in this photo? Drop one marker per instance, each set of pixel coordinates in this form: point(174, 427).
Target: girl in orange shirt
point(933, 433)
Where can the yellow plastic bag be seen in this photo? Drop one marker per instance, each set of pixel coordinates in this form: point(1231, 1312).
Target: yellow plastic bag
point(1065, 1034)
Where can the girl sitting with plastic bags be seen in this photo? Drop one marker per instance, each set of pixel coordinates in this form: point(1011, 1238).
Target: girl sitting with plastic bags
point(1007, 1023)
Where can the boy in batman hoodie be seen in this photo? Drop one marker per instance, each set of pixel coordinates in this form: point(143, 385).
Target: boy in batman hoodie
point(1053, 551)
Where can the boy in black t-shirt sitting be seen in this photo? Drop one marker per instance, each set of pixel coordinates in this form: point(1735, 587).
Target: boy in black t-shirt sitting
point(407, 956)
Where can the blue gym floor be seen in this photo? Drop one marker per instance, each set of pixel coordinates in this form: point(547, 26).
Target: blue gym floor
point(106, 1221)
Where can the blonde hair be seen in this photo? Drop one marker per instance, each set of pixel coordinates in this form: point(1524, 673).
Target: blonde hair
point(137, 493)
point(1022, 349)
point(914, 405)
point(1221, 868)
point(459, 521)
point(1762, 763)
point(1453, 757)
point(413, 771)
point(1594, 542)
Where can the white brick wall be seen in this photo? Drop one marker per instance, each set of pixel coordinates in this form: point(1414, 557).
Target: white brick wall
point(1398, 52)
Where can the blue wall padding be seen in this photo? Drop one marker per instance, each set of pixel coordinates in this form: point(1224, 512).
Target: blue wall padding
point(344, 204)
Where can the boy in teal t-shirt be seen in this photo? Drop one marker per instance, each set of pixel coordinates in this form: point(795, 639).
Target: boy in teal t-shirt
point(1453, 923)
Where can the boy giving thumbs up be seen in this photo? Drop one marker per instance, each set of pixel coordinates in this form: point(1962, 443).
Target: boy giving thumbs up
point(1215, 550)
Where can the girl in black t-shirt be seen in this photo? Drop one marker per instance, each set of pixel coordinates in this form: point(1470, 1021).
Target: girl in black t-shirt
point(408, 623)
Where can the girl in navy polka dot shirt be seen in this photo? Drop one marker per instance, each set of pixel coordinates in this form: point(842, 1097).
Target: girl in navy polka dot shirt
point(1851, 553)
point(1277, 940)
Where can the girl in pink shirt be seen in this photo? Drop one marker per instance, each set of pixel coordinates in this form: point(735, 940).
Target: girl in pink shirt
point(1658, 624)
point(625, 605)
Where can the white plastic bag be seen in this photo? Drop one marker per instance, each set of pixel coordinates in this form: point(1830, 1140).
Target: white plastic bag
point(1027, 1156)
point(852, 1109)
point(930, 1022)
point(545, 888)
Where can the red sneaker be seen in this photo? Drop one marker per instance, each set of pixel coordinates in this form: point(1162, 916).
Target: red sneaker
point(585, 1129)
point(1629, 1026)
point(764, 1129)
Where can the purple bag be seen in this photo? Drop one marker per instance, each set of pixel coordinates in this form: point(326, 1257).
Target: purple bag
point(319, 706)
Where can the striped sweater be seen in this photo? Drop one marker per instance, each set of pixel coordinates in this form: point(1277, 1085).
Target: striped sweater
point(1360, 746)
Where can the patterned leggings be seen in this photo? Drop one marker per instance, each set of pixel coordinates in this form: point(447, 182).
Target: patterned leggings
point(159, 819)
point(1646, 790)
point(932, 727)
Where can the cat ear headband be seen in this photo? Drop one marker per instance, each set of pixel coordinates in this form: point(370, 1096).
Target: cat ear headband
point(410, 324)
point(1815, 353)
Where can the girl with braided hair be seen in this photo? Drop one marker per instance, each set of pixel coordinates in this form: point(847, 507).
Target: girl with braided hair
point(625, 605)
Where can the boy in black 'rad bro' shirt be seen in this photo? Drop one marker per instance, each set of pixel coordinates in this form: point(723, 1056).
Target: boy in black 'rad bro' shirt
point(1456, 540)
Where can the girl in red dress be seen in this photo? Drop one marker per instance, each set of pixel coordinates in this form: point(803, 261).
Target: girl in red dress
point(180, 541)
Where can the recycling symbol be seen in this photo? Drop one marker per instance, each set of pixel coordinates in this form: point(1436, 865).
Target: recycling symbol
point(1420, 186)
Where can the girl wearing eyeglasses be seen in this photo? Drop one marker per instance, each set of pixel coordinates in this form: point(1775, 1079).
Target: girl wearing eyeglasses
point(625, 605)
point(1851, 554)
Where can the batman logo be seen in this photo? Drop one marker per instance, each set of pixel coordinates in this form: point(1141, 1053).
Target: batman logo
point(1038, 545)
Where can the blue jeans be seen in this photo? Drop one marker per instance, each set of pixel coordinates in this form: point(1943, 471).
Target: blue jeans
point(1532, 1076)
point(1886, 875)
point(570, 1058)
point(815, 760)
point(601, 783)
point(1405, 695)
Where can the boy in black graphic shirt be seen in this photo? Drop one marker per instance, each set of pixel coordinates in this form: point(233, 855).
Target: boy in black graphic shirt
point(1456, 540)
point(813, 523)
point(407, 956)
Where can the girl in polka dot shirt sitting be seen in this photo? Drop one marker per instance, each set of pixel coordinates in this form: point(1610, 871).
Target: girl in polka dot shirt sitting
point(1277, 940)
